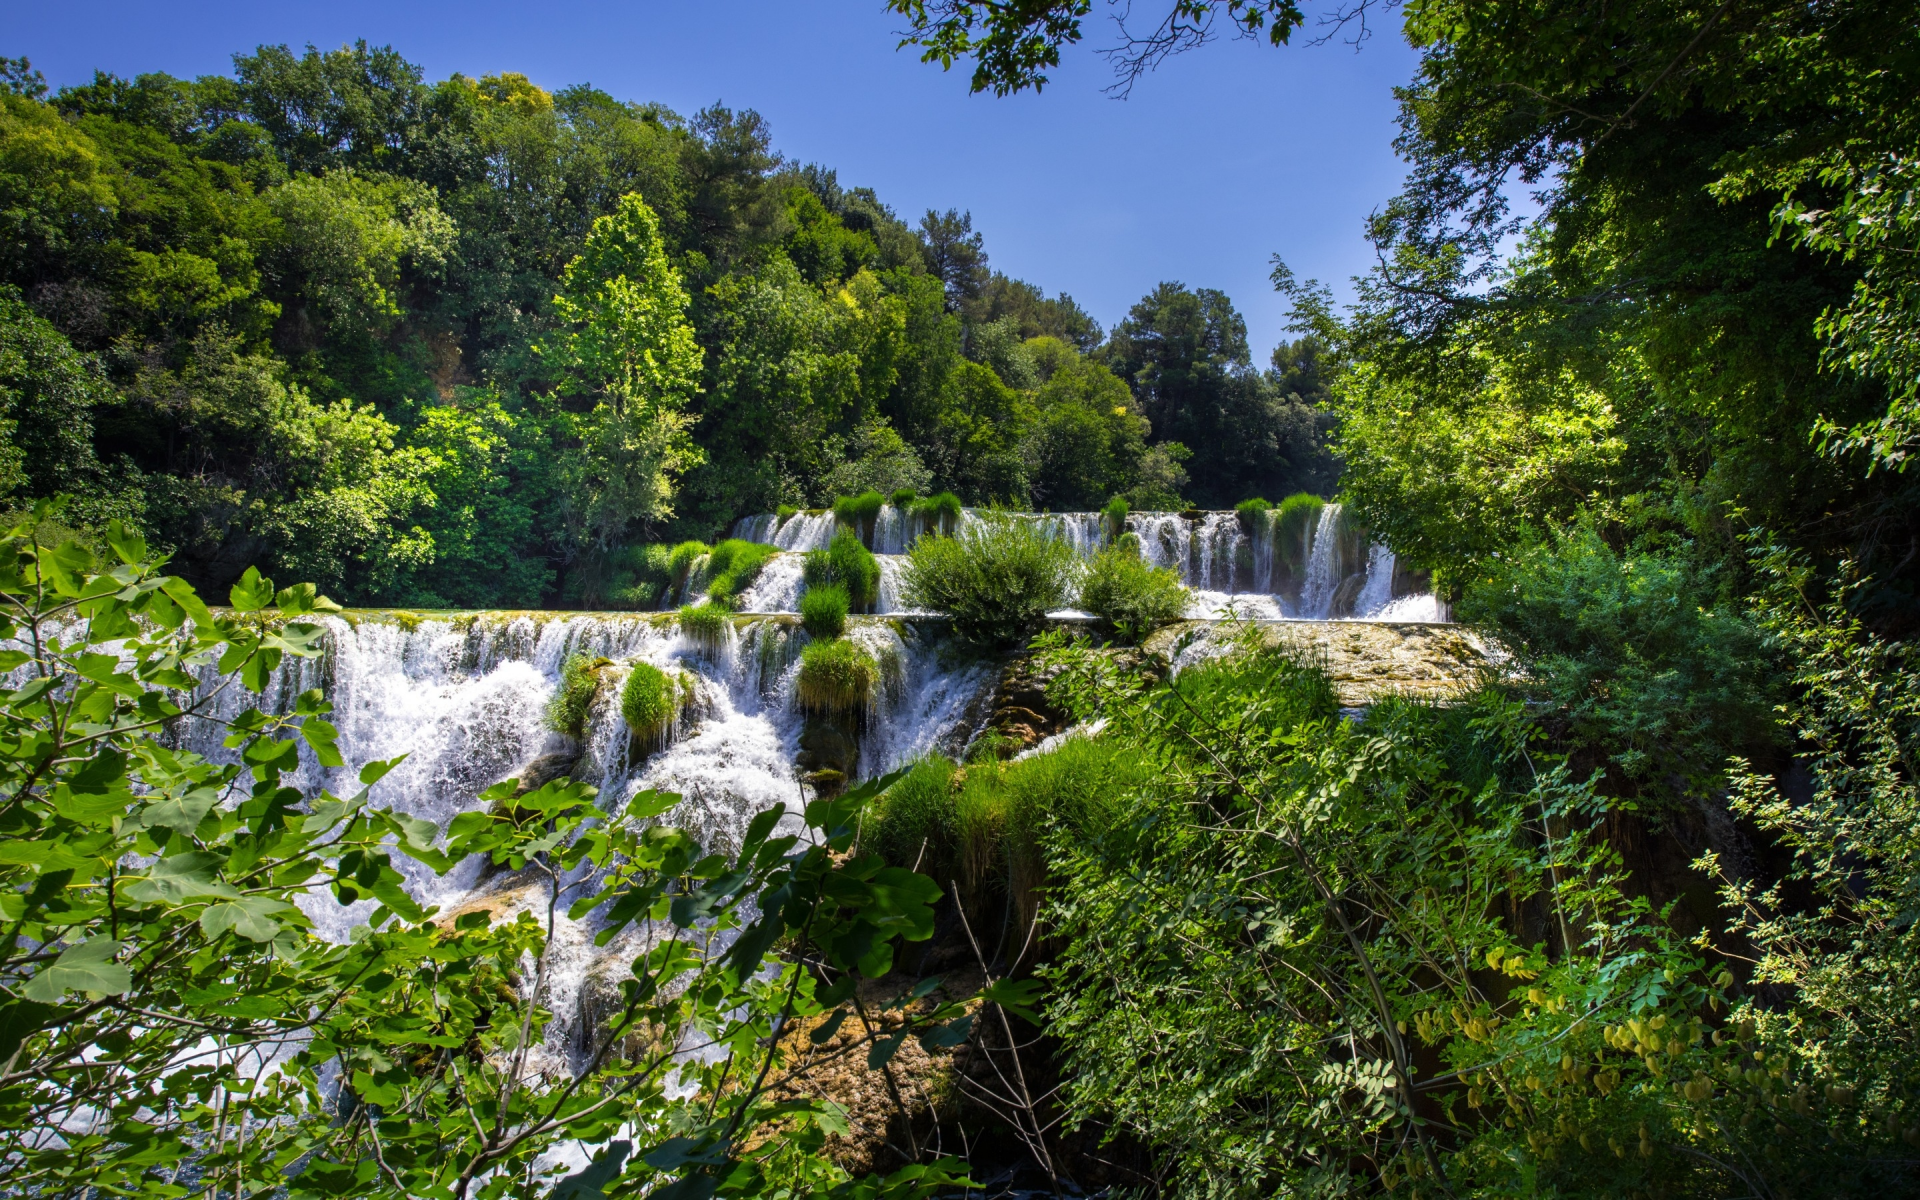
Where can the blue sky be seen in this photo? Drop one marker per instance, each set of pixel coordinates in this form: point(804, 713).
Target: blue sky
point(1219, 159)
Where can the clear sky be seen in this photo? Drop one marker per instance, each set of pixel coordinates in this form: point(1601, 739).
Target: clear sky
point(1219, 159)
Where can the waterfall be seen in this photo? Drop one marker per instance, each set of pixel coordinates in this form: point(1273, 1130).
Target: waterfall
point(1166, 540)
point(1266, 522)
point(776, 589)
point(1377, 592)
point(1323, 567)
point(806, 531)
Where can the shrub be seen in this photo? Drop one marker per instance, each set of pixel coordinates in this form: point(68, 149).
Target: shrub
point(781, 514)
point(997, 578)
point(836, 677)
point(858, 512)
point(733, 566)
point(683, 562)
point(1252, 513)
point(823, 611)
point(913, 821)
point(572, 702)
point(705, 625)
point(848, 563)
point(1113, 518)
point(650, 700)
point(902, 499)
point(1127, 593)
point(941, 512)
point(1641, 662)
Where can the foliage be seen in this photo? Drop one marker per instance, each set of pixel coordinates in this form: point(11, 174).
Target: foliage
point(836, 676)
point(941, 512)
point(650, 702)
point(997, 577)
point(707, 625)
point(632, 351)
point(848, 564)
point(878, 458)
point(732, 566)
point(1650, 674)
point(1252, 511)
point(1113, 518)
point(572, 702)
point(823, 610)
point(173, 1015)
point(685, 558)
point(1128, 593)
point(1357, 925)
point(1294, 522)
point(858, 512)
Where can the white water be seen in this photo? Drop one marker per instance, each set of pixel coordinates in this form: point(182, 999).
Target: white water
point(1316, 594)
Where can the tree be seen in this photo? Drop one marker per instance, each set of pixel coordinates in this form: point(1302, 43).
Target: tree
point(630, 350)
point(956, 255)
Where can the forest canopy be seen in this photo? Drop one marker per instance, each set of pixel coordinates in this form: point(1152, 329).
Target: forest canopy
point(471, 342)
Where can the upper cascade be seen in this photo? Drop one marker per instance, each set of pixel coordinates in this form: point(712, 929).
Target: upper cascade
point(1309, 562)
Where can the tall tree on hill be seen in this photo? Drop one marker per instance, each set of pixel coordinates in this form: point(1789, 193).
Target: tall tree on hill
point(955, 253)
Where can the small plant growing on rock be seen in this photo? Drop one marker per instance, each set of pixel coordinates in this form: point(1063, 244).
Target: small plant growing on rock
point(848, 563)
point(1113, 518)
point(706, 625)
point(997, 578)
point(939, 513)
point(1126, 592)
point(572, 703)
point(836, 677)
point(733, 566)
point(651, 700)
point(858, 512)
point(823, 611)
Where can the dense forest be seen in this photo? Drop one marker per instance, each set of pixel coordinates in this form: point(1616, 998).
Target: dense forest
point(327, 317)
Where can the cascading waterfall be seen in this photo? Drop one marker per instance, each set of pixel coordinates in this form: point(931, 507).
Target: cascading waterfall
point(1230, 568)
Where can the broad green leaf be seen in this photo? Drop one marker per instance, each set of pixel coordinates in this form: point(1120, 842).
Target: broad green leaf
point(88, 967)
point(182, 879)
point(183, 814)
point(253, 593)
point(249, 916)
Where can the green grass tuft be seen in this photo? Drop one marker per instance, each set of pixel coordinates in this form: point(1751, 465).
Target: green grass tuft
point(705, 625)
point(902, 499)
point(847, 562)
point(859, 511)
point(836, 677)
point(941, 512)
point(823, 610)
point(650, 701)
point(1113, 518)
point(733, 566)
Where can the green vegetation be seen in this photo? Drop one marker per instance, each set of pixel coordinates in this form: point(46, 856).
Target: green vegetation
point(156, 896)
point(857, 512)
point(823, 610)
point(475, 343)
point(836, 677)
point(733, 566)
point(650, 703)
point(902, 499)
point(939, 513)
point(707, 625)
point(848, 564)
point(1132, 596)
point(1294, 521)
point(572, 701)
point(1252, 512)
point(1113, 518)
point(997, 578)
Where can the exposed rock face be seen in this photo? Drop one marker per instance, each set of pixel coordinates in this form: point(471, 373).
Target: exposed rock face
point(1367, 660)
point(1019, 714)
point(544, 770)
point(829, 751)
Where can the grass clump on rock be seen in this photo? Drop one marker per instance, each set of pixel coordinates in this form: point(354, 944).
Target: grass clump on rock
point(836, 677)
point(823, 611)
point(941, 512)
point(732, 567)
point(849, 564)
point(1113, 518)
point(706, 625)
point(859, 511)
point(650, 701)
point(1130, 594)
point(572, 703)
point(997, 578)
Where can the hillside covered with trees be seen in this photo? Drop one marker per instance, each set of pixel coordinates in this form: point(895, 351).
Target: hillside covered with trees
point(328, 317)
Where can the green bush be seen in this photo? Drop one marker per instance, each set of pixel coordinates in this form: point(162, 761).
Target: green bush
point(836, 677)
point(1252, 513)
point(705, 625)
point(914, 820)
point(733, 566)
point(902, 499)
point(1643, 665)
point(997, 578)
point(823, 611)
point(682, 563)
point(941, 512)
point(651, 700)
point(847, 562)
point(782, 514)
point(572, 703)
point(1127, 593)
point(1294, 520)
point(858, 512)
point(1113, 518)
